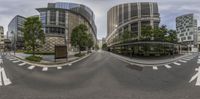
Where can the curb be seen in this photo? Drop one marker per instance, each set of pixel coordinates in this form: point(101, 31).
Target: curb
point(56, 65)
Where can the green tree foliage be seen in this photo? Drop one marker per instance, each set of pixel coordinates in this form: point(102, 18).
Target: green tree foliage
point(80, 38)
point(33, 33)
point(90, 42)
point(171, 36)
point(104, 46)
point(126, 35)
point(146, 33)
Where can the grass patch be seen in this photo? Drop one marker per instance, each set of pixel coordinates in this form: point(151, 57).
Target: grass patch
point(79, 55)
point(34, 58)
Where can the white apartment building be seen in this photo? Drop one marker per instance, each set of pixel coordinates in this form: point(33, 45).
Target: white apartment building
point(186, 27)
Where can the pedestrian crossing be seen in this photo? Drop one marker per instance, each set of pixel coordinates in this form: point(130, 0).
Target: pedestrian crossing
point(32, 67)
point(176, 63)
point(4, 80)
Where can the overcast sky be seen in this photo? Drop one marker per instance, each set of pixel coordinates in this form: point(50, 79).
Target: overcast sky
point(169, 10)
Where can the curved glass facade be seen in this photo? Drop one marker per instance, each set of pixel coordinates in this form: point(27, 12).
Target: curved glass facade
point(60, 18)
point(131, 16)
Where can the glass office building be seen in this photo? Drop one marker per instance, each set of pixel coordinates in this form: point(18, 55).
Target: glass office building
point(131, 17)
point(60, 18)
point(15, 34)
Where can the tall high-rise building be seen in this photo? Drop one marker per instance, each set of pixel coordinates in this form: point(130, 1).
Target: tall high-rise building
point(186, 27)
point(60, 18)
point(131, 17)
point(1, 38)
point(15, 34)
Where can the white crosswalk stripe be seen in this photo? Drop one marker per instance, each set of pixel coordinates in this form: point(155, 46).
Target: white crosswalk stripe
point(22, 64)
point(1, 83)
point(12, 59)
point(187, 59)
point(44, 68)
point(59, 67)
point(69, 64)
point(168, 67)
point(6, 81)
point(182, 61)
point(177, 63)
point(155, 68)
point(31, 67)
point(15, 61)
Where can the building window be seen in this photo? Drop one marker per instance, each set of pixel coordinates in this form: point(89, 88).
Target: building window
point(145, 10)
point(126, 12)
point(134, 27)
point(134, 10)
point(52, 17)
point(62, 18)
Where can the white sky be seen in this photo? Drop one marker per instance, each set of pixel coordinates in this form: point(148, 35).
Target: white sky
point(169, 10)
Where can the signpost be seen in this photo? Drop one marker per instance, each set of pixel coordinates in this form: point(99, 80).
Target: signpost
point(61, 52)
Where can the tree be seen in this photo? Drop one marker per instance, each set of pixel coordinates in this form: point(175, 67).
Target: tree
point(79, 37)
point(104, 46)
point(171, 36)
point(90, 42)
point(126, 35)
point(146, 32)
point(33, 33)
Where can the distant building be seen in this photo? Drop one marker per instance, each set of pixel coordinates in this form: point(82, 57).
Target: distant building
point(198, 38)
point(1, 38)
point(60, 18)
point(186, 27)
point(15, 34)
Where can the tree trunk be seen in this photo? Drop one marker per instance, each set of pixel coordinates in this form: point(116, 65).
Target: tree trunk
point(33, 49)
point(79, 49)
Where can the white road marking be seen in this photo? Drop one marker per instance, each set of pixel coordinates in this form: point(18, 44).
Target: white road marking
point(182, 61)
point(6, 81)
point(187, 59)
point(22, 64)
point(12, 59)
point(0, 77)
point(31, 67)
point(155, 68)
point(44, 68)
point(69, 64)
point(198, 78)
point(196, 69)
point(168, 67)
point(15, 61)
point(59, 67)
point(1, 61)
point(177, 63)
point(198, 62)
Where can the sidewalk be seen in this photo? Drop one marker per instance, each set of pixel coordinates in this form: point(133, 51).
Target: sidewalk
point(152, 61)
point(49, 59)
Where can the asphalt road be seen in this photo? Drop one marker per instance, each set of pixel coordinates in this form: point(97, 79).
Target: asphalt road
point(100, 76)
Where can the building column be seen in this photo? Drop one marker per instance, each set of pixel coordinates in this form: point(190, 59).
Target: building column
point(48, 17)
point(57, 17)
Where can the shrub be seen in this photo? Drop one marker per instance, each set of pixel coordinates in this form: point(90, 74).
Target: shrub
point(34, 58)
